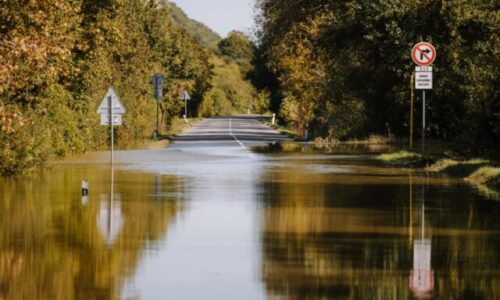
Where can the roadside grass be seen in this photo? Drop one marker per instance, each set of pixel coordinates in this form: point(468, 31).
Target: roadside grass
point(374, 139)
point(178, 126)
point(489, 176)
point(458, 168)
point(478, 171)
point(282, 130)
point(402, 158)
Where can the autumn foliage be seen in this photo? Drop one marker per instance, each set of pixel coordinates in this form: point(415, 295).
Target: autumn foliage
point(57, 59)
point(343, 67)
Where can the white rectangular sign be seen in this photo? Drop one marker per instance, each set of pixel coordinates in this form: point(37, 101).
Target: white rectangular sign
point(423, 69)
point(423, 78)
point(117, 119)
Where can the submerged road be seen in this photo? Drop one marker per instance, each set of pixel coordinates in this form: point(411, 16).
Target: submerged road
point(229, 131)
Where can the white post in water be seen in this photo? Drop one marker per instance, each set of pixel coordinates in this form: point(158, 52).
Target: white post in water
point(85, 188)
point(85, 192)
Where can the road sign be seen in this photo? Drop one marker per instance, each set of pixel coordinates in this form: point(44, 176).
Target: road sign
point(185, 96)
point(423, 54)
point(111, 111)
point(116, 103)
point(117, 119)
point(423, 78)
point(157, 82)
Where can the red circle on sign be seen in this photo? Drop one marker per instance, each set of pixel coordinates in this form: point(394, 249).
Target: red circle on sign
point(423, 54)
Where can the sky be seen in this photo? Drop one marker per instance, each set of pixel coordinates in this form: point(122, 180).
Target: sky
point(222, 16)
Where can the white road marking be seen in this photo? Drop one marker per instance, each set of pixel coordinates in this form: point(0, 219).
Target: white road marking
point(231, 133)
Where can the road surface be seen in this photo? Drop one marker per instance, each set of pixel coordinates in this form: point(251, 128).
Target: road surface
point(229, 131)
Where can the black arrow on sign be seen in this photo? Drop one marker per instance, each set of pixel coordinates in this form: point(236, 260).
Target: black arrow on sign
point(426, 51)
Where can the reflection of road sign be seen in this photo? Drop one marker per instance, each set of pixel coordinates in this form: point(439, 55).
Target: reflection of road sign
point(117, 104)
point(185, 96)
point(157, 82)
point(423, 78)
point(422, 275)
point(423, 54)
point(117, 120)
point(110, 219)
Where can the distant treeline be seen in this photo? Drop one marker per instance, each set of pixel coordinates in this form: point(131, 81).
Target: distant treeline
point(58, 58)
point(343, 68)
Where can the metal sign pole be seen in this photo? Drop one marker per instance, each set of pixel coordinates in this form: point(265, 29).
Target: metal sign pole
point(157, 131)
point(423, 122)
point(110, 100)
point(412, 87)
point(185, 107)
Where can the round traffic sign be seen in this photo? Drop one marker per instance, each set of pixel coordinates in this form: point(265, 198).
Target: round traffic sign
point(423, 54)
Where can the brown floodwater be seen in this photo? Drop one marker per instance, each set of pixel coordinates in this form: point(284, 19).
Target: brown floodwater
point(227, 223)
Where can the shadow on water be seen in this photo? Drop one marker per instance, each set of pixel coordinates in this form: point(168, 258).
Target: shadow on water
point(57, 244)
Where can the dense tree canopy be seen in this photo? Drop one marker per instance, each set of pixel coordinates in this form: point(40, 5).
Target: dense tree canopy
point(344, 67)
point(57, 59)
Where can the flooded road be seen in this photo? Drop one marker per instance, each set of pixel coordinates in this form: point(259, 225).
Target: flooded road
point(207, 218)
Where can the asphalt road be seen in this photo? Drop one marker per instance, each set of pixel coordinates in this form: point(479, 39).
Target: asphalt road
point(229, 131)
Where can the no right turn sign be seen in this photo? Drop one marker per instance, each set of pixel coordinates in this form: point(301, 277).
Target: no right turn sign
point(423, 54)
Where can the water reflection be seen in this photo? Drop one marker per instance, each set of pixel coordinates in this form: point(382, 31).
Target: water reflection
point(53, 246)
point(329, 236)
point(422, 274)
point(110, 218)
point(281, 227)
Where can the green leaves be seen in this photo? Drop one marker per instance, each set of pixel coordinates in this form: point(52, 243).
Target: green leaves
point(326, 53)
point(58, 57)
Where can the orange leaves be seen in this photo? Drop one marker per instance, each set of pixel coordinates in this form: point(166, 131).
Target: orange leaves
point(37, 42)
point(10, 119)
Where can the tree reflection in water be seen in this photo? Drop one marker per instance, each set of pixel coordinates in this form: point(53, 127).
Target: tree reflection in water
point(52, 245)
point(344, 236)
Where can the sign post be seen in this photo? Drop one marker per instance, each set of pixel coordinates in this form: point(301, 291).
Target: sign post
point(111, 111)
point(185, 96)
point(157, 82)
point(423, 54)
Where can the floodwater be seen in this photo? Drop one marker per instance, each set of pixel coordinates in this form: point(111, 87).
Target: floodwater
point(227, 223)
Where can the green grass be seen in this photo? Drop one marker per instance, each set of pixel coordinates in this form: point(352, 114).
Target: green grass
point(178, 126)
point(373, 139)
point(458, 168)
point(489, 176)
point(401, 158)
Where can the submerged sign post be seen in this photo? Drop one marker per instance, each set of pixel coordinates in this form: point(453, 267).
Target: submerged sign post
point(111, 111)
point(423, 54)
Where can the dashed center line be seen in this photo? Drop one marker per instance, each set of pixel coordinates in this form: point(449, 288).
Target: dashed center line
point(231, 133)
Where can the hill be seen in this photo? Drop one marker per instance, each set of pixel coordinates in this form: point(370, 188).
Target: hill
point(203, 35)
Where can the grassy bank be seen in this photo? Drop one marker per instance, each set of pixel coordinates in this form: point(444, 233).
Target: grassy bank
point(178, 126)
point(404, 158)
point(477, 170)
